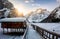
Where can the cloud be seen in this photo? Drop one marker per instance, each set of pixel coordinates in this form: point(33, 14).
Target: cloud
point(35, 4)
point(32, 0)
point(27, 1)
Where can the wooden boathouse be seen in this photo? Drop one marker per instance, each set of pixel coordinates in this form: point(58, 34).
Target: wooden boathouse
point(18, 24)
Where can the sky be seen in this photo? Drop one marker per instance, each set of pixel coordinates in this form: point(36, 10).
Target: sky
point(29, 5)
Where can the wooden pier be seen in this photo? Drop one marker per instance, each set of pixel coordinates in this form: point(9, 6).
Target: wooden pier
point(46, 34)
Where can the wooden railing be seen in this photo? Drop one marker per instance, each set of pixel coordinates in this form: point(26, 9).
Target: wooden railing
point(46, 34)
point(25, 34)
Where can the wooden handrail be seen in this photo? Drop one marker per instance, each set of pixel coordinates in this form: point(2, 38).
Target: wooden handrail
point(24, 36)
point(46, 34)
point(25, 33)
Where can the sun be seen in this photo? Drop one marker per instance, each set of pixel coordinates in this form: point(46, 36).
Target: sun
point(21, 9)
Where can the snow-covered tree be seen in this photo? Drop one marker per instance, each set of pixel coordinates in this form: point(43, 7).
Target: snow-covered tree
point(5, 8)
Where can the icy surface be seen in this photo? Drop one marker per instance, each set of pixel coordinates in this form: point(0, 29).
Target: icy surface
point(50, 26)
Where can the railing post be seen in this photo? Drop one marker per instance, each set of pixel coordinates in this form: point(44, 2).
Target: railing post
point(49, 36)
point(3, 30)
point(52, 36)
point(56, 37)
point(7, 30)
point(42, 32)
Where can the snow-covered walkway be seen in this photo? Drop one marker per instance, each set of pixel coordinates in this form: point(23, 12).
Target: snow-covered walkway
point(32, 34)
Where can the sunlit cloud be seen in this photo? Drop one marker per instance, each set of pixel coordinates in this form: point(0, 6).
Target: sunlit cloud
point(27, 1)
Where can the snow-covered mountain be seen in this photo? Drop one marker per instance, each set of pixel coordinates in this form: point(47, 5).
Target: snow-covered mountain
point(38, 17)
point(46, 16)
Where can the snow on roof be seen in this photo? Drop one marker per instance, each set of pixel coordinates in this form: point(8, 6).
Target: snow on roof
point(13, 19)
